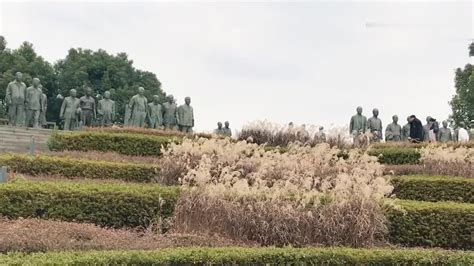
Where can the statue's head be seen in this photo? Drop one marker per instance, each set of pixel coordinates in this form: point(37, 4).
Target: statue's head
point(156, 98)
point(395, 119)
point(187, 100)
point(226, 123)
point(219, 125)
point(462, 124)
point(107, 95)
point(375, 112)
point(445, 124)
point(291, 125)
point(141, 91)
point(408, 119)
point(359, 110)
point(428, 119)
point(170, 98)
point(88, 91)
point(36, 82)
point(73, 93)
point(18, 76)
point(321, 128)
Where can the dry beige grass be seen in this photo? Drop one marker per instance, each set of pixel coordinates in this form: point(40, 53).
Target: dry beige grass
point(34, 235)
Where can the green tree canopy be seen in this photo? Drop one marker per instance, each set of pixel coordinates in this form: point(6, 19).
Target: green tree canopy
point(462, 103)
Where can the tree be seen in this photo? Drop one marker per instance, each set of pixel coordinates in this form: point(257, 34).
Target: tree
point(462, 103)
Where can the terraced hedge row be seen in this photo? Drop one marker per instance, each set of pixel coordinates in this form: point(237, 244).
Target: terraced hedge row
point(69, 167)
point(246, 256)
point(111, 205)
point(396, 155)
point(448, 225)
point(434, 188)
point(123, 143)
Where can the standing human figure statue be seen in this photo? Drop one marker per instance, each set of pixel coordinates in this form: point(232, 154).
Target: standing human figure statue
point(393, 132)
point(15, 99)
point(186, 116)
point(219, 130)
point(44, 108)
point(33, 104)
point(170, 114)
point(374, 125)
point(69, 110)
point(155, 113)
point(358, 125)
point(227, 130)
point(88, 108)
point(106, 110)
point(445, 134)
point(426, 129)
point(138, 105)
point(406, 130)
point(320, 136)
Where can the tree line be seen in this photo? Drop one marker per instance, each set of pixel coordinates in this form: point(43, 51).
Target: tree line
point(80, 68)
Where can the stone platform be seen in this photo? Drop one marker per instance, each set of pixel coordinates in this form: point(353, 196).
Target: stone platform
point(19, 139)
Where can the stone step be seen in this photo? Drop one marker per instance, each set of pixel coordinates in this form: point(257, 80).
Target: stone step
point(21, 148)
point(10, 130)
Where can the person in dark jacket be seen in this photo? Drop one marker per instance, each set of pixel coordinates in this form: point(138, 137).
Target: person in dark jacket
point(416, 129)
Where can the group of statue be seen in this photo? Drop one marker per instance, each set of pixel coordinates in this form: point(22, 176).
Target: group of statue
point(223, 131)
point(26, 106)
point(138, 112)
point(412, 131)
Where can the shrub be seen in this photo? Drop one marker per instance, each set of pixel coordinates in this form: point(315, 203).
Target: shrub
point(428, 224)
point(434, 188)
point(114, 205)
point(428, 167)
point(147, 131)
point(68, 167)
point(397, 155)
point(127, 144)
point(247, 256)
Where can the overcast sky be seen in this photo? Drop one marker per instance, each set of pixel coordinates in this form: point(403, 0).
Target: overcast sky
point(307, 62)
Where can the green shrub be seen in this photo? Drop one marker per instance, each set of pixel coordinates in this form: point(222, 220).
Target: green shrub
point(247, 256)
point(428, 224)
point(123, 143)
point(396, 155)
point(68, 167)
point(106, 204)
point(434, 188)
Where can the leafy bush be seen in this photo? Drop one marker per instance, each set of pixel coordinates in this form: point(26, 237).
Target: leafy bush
point(123, 143)
point(434, 188)
point(406, 144)
point(247, 256)
point(115, 205)
point(147, 131)
point(68, 167)
point(428, 224)
point(396, 155)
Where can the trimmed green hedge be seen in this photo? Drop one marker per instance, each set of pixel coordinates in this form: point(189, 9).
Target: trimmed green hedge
point(429, 224)
point(247, 256)
point(396, 155)
point(68, 167)
point(434, 188)
point(106, 204)
point(123, 143)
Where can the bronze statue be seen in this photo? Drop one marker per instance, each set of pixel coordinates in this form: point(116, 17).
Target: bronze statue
point(138, 105)
point(44, 108)
point(33, 104)
point(227, 130)
point(358, 125)
point(15, 99)
point(185, 117)
point(155, 113)
point(393, 132)
point(320, 136)
point(445, 134)
point(88, 108)
point(70, 110)
point(170, 114)
point(219, 130)
point(106, 109)
point(406, 130)
point(374, 125)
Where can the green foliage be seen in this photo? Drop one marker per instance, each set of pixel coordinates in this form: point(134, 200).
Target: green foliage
point(123, 143)
point(68, 167)
point(462, 102)
point(437, 188)
point(247, 256)
point(396, 155)
point(428, 224)
point(105, 204)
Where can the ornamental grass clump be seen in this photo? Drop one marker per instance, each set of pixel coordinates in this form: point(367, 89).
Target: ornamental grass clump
point(305, 196)
point(448, 160)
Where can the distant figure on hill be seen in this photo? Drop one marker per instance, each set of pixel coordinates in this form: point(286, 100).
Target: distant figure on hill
point(445, 134)
point(138, 105)
point(219, 130)
point(106, 109)
point(227, 130)
point(416, 129)
point(186, 116)
point(358, 125)
point(320, 136)
point(393, 132)
point(374, 125)
point(463, 135)
point(406, 130)
point(155, 113)
point(69, 110)
point(170, 114)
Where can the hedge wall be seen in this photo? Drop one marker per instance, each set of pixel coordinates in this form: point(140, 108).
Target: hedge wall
point(429, 224)
point(123, 143)
point(68, 167)
point(247, 256)
point(396, 155)
point(107, 204)
point(434, 188)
